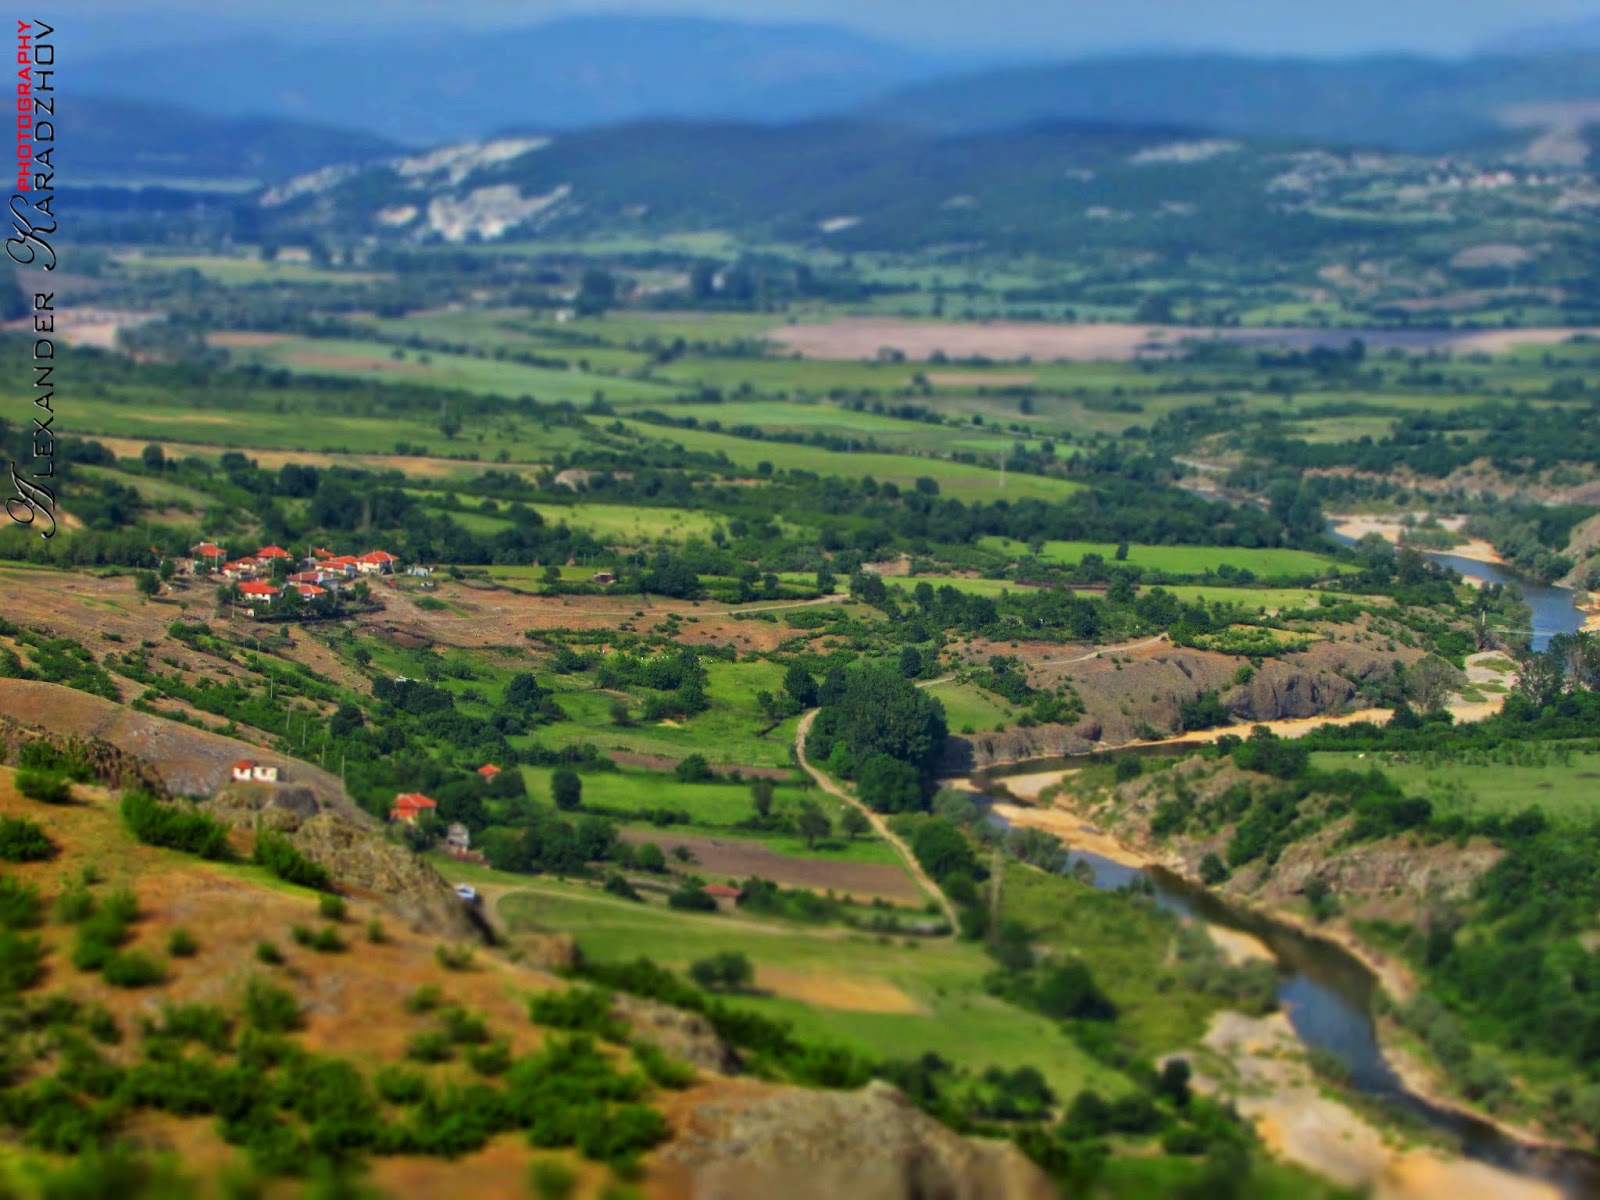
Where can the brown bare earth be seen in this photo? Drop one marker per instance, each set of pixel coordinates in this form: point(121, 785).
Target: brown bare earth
point(321, 358)
point(1010, 341)
point(825, 991)
point(739, 858)
point(978, 379)
point(411, 465)
point(246, 337)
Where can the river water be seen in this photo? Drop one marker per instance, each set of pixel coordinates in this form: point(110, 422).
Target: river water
point(1555, 609)
point(1327, 994)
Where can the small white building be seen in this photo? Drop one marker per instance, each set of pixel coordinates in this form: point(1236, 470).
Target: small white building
point(246, 771)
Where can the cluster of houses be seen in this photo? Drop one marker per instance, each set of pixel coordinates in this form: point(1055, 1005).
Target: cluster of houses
point(321, 573)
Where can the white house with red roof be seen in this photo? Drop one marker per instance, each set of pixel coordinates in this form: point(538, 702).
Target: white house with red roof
point(208, 554)
point(267, 553)
point(309, 591)
point(376, 562)
point(241, 568)
point(488, 771)
point(247, 770)
point(408, 806)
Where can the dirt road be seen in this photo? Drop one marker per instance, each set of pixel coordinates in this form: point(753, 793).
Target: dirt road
point(879, 825)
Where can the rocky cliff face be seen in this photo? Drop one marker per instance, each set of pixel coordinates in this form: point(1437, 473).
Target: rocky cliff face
point(1387, 878)
point(871, 1144)
point(351, 846)
point(1125, 697)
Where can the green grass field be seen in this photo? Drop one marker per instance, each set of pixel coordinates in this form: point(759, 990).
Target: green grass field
point(370, 360)
point(1250, 598)
point(969, 707)
point(728, 733)
point(1562, 782)
point(1182, 560)
point(939, 982)
point(963, 480)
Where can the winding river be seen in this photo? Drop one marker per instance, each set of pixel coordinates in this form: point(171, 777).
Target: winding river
point(1327, 994)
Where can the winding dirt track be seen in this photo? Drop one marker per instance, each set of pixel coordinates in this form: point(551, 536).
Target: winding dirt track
point(879, 825)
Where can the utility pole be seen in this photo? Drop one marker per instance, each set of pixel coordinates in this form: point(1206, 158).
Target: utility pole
point(995, 873)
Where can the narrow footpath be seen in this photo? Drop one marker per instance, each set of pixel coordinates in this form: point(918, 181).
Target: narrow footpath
point(879, 825)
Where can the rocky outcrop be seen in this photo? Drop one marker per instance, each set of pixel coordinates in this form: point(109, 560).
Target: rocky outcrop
point(352, 847)
point(685, 1035)
point(1280, 690)
point(133, 749)
point(1128, 696)
point(871, 1144)
point(175, 759)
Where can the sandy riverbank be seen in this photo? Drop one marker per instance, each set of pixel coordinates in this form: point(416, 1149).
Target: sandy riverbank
point(1393, 529)
point(1276, 1090)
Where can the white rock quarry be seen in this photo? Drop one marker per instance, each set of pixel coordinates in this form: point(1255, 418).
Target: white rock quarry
point(488, 212)
point(1184, 152)
point(456, 163)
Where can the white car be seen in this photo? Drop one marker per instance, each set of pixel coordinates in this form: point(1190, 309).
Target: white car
point(467, 892)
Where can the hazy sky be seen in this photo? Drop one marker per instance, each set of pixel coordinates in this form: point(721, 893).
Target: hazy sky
point(1036, 28)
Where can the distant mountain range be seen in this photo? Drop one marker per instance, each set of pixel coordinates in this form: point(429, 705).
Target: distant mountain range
point(1397, 103)
point(1137, 200)
point(422, 89)
point(262, 109)
point(129, 141)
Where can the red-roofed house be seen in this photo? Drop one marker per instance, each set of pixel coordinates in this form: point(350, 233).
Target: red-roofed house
point(725, 896)
point(408, 806)
point(273, 552)
point(245, 769)
point(344, 562)
point(251, 587)
point(306, 577)
point(240, 568)
point(310, 590)
point(488, 771)
point(376, 562)
point(206, 552)
point(319, 552)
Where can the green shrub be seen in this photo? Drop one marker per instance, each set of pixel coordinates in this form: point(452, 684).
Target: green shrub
point(102, 1026)
point(206, 1024)
point(21, 962)
point(134, 969)
point(331, 907)
point(270, 1008)
point(274, 852)
point(431, 1047)
point(74, 905)
point(461, 1027)
point(301, 934)
point(19, 904)
point(327, 941)
point(425, 999)
point(622, 1134)
point(552, 1180)
point(662, 1070)
point(375, 933)
point(169, 826)
point(267, 952)
point(453, 958)
point(22, 840)
point(181, 944)
point(493, 1059)
point(47, 787)
point(582, 1009)
point(396, 1085)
